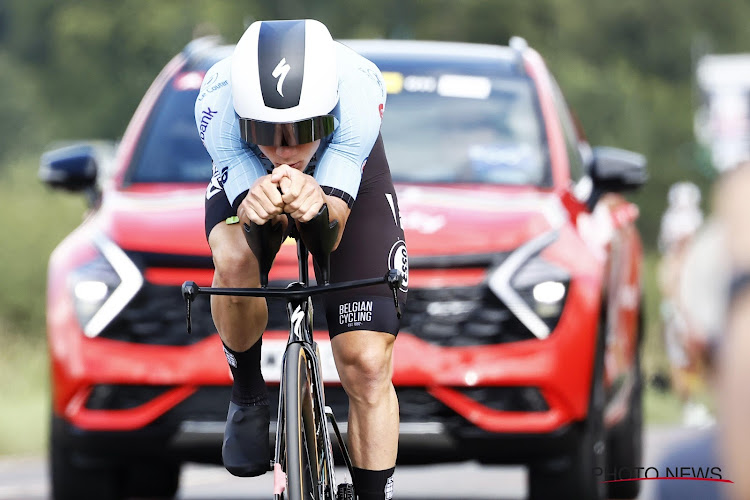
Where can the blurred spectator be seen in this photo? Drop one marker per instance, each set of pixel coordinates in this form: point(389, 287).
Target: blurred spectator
point(682, 217)
point(733, 208)
point(702, 279)
point(680, 222)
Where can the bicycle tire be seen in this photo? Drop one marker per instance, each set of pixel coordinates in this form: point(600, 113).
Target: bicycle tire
point(300, 447)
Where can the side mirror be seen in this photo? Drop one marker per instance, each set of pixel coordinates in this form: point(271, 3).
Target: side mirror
point(617, 170)
point(73, 168)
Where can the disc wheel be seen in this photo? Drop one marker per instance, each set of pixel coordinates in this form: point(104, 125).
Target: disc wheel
point(301, 450)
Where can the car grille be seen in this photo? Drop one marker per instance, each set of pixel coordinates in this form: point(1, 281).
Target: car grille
point(122, 397)
point(156, 315)
point(209, 403)
point(461, 316)
point(453, 316)
point(525, 399)
point(415, 404)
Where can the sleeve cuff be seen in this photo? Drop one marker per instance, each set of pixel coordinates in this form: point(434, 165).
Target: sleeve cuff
point(330, 191)
point(238, 200)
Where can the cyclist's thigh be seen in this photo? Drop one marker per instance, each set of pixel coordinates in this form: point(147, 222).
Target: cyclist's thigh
point(373, 243)
point(230, 251)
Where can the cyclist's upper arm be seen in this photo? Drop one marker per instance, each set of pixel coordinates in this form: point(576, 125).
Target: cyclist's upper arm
point(359, 111)
point(218, 128)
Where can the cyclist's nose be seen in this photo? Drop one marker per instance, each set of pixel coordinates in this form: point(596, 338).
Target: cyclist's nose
point(285, 152)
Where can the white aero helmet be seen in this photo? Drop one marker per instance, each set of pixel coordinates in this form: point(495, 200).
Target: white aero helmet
point(285, 82)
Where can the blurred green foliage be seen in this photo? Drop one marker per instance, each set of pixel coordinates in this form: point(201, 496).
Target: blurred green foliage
point(77, 69)
point(34, 220)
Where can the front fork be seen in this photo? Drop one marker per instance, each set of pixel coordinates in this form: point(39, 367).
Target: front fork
point(301, 331)
point(279, 464)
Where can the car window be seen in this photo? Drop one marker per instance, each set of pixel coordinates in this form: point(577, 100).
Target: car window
point(444, 128)
point(464, 128)
point(170, 149)
point(575, 160)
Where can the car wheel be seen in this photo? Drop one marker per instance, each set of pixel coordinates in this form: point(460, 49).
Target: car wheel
point(75, 476)
point(153, 479)
point(625, 443)
point(573, 475)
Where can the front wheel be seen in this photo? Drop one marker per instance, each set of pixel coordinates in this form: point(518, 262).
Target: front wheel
point(301, 450)
point(625, 446)
point(76, 476)
point(573, 475)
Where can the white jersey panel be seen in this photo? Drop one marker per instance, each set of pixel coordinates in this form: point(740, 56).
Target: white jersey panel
point(359, 112)
point(236, 166)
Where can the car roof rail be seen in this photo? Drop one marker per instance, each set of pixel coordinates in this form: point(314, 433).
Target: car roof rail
point(518, 43)
point(201, 44)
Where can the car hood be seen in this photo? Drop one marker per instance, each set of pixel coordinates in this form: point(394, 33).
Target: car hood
point(437, 220)
point(474, 219)
point(156, 218)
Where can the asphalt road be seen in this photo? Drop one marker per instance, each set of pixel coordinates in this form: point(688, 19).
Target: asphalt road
point(25, 478)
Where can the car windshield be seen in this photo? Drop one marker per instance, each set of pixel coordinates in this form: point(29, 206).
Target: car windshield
point(437, 128)
point(462, 128)
point(170, 149)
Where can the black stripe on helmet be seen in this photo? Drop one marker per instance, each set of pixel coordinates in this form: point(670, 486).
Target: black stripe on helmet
point(281, 62)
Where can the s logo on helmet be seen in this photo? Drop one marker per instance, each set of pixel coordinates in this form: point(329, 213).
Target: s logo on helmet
point(281, 70)
point(398, 259)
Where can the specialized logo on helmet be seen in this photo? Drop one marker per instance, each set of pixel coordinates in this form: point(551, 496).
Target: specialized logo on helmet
point(281, 70)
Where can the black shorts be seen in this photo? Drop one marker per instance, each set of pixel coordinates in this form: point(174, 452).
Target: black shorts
point(373, 242)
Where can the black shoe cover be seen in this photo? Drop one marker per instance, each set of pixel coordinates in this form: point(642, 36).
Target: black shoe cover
point(246, 451)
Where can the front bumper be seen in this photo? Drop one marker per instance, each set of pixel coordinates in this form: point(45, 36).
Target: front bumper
point(193, 430)
point(184, 411)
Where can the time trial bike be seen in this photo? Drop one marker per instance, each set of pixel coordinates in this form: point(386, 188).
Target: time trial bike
point(303, 463)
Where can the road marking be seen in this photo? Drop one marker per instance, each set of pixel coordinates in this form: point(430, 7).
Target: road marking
point(25, 491)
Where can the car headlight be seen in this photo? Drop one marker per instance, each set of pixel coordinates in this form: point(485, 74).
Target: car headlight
point(532, 288)
point(543, 286)
point(103, 286)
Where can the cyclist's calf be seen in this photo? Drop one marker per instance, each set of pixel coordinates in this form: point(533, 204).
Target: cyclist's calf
point(364, 361)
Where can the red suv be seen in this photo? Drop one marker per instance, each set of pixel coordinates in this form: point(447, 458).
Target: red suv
point(520, 338)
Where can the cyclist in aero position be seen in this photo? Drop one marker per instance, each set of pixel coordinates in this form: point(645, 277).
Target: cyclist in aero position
point(292, 121)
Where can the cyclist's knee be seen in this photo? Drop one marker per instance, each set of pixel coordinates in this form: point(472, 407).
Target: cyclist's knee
point(234, 263)
point(364, 367)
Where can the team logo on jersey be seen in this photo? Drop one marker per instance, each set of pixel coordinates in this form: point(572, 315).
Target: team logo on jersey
point(398, 259)
point(211, 79)
point(206, 116)
point(218, 179)
point(281, 71)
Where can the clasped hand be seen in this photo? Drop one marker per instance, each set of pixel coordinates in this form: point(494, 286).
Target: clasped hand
point(285, 190)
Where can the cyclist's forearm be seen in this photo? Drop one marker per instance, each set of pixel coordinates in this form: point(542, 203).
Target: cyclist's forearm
point(337, 210)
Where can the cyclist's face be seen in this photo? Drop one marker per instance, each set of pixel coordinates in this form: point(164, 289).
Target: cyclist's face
point(295, 156)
